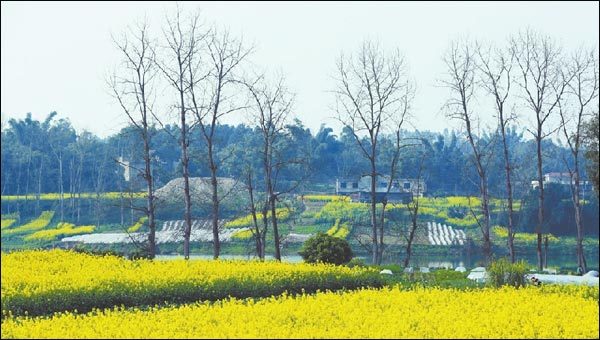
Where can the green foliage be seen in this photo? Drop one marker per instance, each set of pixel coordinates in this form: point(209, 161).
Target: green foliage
point(442, 278)
point(97, 252)
point(356, 262)
point(502, 272)
point(327, 249)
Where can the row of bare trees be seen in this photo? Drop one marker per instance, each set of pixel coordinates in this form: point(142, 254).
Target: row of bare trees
point(202, 68)
point(374, 94)
point(532, 82)
point(529, 82)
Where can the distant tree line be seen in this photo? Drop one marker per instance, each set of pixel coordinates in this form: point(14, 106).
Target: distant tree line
point(90, 163)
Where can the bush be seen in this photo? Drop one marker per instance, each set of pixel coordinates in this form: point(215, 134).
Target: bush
point(356, 262)
point(501, 272)
point(327, 249)
point(96, 252)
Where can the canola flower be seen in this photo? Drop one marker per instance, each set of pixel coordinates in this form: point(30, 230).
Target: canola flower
point(342, 210)
point(243, 234)
point(368, 313)
point(520, 236)
point(282, 214)
point(36, 224)
point(338, 230)
point(62, 229)
point(40, 282)
point(137, 224)
point(6, 223)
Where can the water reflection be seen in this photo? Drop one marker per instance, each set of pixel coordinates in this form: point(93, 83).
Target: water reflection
point(431, 261)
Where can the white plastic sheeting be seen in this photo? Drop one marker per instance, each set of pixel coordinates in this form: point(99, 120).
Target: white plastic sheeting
point(441, 234)
point(171, 231)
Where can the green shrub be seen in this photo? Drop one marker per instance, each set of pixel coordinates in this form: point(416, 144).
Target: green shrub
point(327, 249)
point(96, 252)
point(356, 262)
point(501, 272)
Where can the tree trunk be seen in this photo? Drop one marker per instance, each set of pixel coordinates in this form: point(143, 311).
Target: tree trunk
point(275, 229)
point(538, 228)
point(186, 185)
point(39, 191)
point(411, 237)
point(150, 192)
point(215, 201)
point(381, 226)
point(257, 233)
point(511, 235)
point(79, 176)
point(485, 207)
point(578, 222)
point(483, 189)
point(60, 183)
point(374, 212)
point(265, 219)
point(28, 175)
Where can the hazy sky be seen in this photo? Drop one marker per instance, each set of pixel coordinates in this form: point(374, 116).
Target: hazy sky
point(55, 55)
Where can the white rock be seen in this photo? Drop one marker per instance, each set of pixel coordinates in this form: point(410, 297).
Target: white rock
point(591, 273)
point(424, 269)
point(408, 270)
point(460, 269)
point(477, 276)
point(386, 271)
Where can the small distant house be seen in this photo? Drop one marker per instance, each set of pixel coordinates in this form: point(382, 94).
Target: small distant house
point(563, 178)
point(401, 190)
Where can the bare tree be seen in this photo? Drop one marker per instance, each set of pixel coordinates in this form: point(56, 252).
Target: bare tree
point(495, 67)
point(259, 233)
point(413, 211)
point(225, 55)
point(133, 87)
point(461, 64)
point(371, 95)
point(543, 83)
point(270, 111)
point(582, 90)
point(182, 45)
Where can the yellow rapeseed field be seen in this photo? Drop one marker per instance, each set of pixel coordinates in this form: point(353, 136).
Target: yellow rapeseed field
point(246, 221)
point(40, 282)
point(36, 224)
point(62, 229)
point(5, 223)
point(368, 313)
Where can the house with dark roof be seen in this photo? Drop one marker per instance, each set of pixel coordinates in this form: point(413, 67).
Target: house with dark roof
point(401, 189)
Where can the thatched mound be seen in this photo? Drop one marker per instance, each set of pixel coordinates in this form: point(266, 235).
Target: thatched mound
point(200, 190)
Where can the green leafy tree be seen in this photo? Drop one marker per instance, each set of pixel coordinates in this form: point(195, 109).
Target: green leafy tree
point(327, 249)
